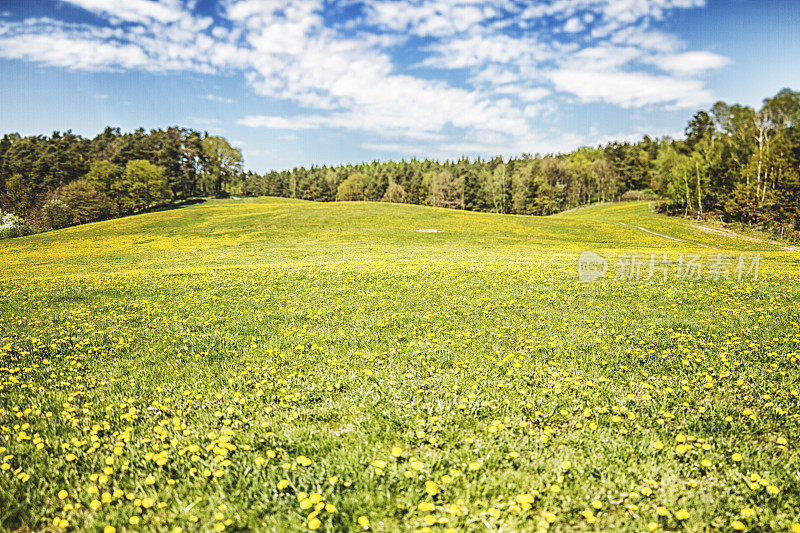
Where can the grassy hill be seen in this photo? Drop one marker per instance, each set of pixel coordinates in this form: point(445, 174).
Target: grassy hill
point(279, 365)
point(278, 230)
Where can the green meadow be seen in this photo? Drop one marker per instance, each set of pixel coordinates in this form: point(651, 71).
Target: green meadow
point(278, 365)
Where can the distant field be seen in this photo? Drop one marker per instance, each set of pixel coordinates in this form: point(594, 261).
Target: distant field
point(278, 365)
point(276, 230)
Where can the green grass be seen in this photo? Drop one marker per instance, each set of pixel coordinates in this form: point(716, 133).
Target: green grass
point(236, 364)
point(259, 231)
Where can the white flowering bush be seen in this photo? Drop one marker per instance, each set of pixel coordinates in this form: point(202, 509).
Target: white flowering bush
point(12, 226)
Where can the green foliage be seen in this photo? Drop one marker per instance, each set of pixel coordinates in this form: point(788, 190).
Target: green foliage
point(86, 203)
point(394, 193)
point(147, 184)
point(446, 190)
point(107, 178)
point(180, 163)
point(56, 214)
point(222, 164)
point(352, 188)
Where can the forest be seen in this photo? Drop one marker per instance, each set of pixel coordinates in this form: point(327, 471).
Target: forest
point(735, 164)
point(53, 182)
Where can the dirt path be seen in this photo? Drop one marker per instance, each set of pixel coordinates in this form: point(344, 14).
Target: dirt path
point(666, 236)
point(723, 232)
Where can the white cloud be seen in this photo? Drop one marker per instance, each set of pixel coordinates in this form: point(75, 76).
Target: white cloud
point(603, 57)
point(573, 25)
point(141, 11)
point(60, 49)
point(618, 11)
point(475, 50)
point(429, 18)
point(153, 47)
point(217, 98)
point(533, 110)
point(280, 123)
point(690, 63)
point(299, 59)
point(525, 94)
point(645, 39)
point(631, 89)
point(501, 59)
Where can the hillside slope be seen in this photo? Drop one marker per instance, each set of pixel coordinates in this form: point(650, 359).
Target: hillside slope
point(276, 365)
point(278, 230)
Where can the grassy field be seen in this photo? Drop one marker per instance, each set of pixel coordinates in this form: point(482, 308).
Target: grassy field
point(278, 365)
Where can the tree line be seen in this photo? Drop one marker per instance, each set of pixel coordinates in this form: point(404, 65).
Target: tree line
point(51, 182)
point(539, 185)
point(735, 164)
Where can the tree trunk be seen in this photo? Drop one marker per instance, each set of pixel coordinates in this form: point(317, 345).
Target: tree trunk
point(688, 201)
point(699, 201)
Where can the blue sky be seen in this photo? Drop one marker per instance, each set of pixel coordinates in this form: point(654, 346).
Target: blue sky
point(301, 82)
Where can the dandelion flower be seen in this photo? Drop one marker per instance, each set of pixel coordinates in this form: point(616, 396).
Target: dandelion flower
point(431, 488)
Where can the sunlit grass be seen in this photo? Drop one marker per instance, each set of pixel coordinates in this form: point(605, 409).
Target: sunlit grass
point(281, 365)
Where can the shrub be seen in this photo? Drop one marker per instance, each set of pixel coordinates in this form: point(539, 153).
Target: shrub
point(633, 196)
point(13, 226)
point(56, 214)
point(395, 193)
point(352, 188)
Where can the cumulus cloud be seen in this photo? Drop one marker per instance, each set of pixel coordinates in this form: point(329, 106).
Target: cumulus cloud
point(78, 47)
point(141, 11)
point(573, 25)
point(430, 18)
point(630, 89)
point(502, 61)
point(689, 63)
